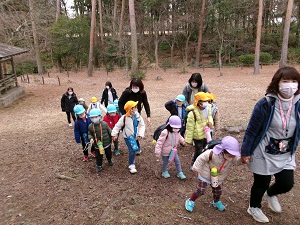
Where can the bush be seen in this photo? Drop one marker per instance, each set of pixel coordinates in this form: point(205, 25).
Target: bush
point(265, 57)
point(294, 55)
point(138, 74)
point(248, 59)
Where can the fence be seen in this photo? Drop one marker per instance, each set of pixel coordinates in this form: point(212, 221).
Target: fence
point(9, 81)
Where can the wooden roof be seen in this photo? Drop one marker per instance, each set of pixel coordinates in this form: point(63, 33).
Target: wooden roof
point(9, 50)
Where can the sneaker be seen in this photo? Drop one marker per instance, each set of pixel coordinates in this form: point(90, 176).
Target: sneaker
point(93, 153)
point(181, 176)
point(257, 214)
point(138, 152)
point(132, 168)
point(219, 205)
point(70, 125)
point(110, 163)
point(189, 205)
point(116, 152)
point(165, 174)
point(98, 169)
point(274, 203)
point(85, 158)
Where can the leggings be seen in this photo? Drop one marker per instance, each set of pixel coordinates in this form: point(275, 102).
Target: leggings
point(201, 187)
point(165, 163)
point(69, 116)
point(284, 182)
point(99, 157)
point(199, 145)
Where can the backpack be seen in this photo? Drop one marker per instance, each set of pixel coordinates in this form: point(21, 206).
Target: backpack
point(158, 131)
point(211, 145)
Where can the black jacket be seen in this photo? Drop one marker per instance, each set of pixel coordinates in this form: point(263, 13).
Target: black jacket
point(67, 104)
point(140, 97)
point(104, 97)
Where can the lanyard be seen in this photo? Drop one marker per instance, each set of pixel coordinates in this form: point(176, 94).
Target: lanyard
point(101, 137)
point(221, 167)
point(286, 117)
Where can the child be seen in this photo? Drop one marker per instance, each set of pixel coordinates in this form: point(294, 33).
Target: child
point(81, 125)
point(199, 116)
point(111, 118)
point(214, 113)
point(167, 144)
point(133, 127)
point(116, 103)
point(109, 94)
point(67, 102)
point(96, 105)
point(222, 156)
point(177, 107)
point(99, 136)
point(82, 102)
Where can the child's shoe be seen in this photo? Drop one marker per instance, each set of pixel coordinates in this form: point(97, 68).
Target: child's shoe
point(181, 176)
point(93, 153)
point(116, 152)
point(138, 152)
point(219, 205)
point(110, 163)
point(98, 169)
point(165, 174)
point(189, 205)
point(85, 158)
point(132, 168)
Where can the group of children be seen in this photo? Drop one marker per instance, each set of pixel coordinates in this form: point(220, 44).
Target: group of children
point(187, 125)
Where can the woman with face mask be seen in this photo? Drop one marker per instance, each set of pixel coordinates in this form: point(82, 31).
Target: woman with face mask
point(67, 102)
point(271, 140)
point(135, 92)
point(193, 86)
point(109, 94)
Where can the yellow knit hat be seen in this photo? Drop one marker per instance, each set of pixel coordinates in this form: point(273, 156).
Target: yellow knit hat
point(201, 96)
point(129, 105)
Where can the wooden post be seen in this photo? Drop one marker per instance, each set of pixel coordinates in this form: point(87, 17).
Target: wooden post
point(27, 78)
point(48, 74)
point(58, 80)
point(68, 73)
point(43, 80)
point(203, 67)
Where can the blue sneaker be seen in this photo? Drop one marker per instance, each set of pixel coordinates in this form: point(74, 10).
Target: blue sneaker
point(189, 205)
point(181, 176)
point(165, 174)
point(219, 205)
point(116, 152)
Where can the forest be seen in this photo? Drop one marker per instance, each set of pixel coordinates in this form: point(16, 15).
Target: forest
point(138, 34)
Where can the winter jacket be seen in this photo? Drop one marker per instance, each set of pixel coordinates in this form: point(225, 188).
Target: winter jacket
point(140, 97)
point(104, 97)
point(195, 128)
point(81, 128)
point(172, 107)
point(260, 122)
point(164, 145)
point(203, 165)
point(97, 105)
point(67, 103)
point(128, 128)
point(111, 120)
point(106, 131)
point(187, 91)
point(215, 115)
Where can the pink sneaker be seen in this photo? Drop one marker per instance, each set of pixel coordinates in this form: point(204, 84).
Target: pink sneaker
point(85, 158)
point(93, 154)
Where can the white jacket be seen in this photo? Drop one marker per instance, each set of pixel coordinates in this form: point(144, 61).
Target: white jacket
point(97, 105)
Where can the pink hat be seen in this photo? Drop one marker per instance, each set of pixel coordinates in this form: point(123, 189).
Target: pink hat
point(230, 144)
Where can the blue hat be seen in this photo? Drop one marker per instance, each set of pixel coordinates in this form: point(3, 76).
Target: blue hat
point(116, 103)
point(95, 112)
point(78, 109)
point(111, 108)
point(180, 98)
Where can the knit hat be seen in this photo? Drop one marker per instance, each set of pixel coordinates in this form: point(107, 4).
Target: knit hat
point(129, 105)
point(230, 144)
point(201, 96)
point(180, 98)
point(94, 99)
point(212, 96)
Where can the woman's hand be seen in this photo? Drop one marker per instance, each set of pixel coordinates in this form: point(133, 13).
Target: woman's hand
point(92, 141)
point(245, 159)
point(149, 121)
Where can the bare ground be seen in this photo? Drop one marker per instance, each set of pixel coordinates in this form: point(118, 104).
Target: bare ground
point(44, 181)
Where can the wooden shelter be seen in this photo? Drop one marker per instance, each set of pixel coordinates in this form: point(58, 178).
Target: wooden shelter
point(8, 80)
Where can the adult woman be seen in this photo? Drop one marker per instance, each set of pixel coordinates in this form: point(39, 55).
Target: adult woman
point(193, 86)
point(68, 101)
point(271, 140)
point(109, 94)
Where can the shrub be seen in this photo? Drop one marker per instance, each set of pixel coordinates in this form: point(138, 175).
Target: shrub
point(294, 55)
point(247, 59)
point(265, 57)
point(138, 74)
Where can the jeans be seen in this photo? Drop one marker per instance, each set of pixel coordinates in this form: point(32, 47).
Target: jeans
point(165, 163)
point(131, 152)
point(284, 182)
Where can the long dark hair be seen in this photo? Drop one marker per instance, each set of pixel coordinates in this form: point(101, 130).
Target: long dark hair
point(137, 82)
point(196, 77)
point(108, 83)
point(287, 73)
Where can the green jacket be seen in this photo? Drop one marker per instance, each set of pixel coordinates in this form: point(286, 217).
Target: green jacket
point(106, 133)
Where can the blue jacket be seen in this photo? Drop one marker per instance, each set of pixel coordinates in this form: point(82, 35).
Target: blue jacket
point(260, 122)
point(81, 128)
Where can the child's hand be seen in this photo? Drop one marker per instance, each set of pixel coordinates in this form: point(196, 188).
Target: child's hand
point(139, 138)
point(185, 144)
point(210, 125)
point(113, 138)
point(195, 173)
point(245, 159)
point(92, 141)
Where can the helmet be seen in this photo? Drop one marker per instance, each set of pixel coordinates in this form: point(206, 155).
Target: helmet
point(116, 103)
point(180, 98)
point(94, 99)
point(95, 112)
point(78, 109)
point(111, 108)
point(81, 100)
point(175, 122)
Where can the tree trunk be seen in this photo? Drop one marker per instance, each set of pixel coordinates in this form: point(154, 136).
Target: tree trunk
point(198, 50)
point(134, 51)
point(92, 32)
point(286, 31)
point(35, 39)
point(258, 37)
point(115, 17)
point(57, 10)
point(121, 31)
point(101, 27)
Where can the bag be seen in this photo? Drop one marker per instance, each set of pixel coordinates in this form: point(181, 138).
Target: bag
point(279, 146)
point(132, 143)
point(158, 131)
point(211, 144)
point(172, 154)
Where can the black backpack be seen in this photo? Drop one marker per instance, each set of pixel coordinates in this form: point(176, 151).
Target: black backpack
point(211, 144)
point(158, 131)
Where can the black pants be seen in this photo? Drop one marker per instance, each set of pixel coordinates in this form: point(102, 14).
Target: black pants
point(199, 145)
point(284, 182)
point(99, 157)
point(85, 151)
point(69, 116)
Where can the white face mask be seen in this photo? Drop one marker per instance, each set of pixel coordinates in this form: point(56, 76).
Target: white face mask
point(176, 130)
point(70, 92)
point(204, 104)
point(194, 84)
point(135, 90)
point(95, 120)
point(288, 89)
point(107, 87)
